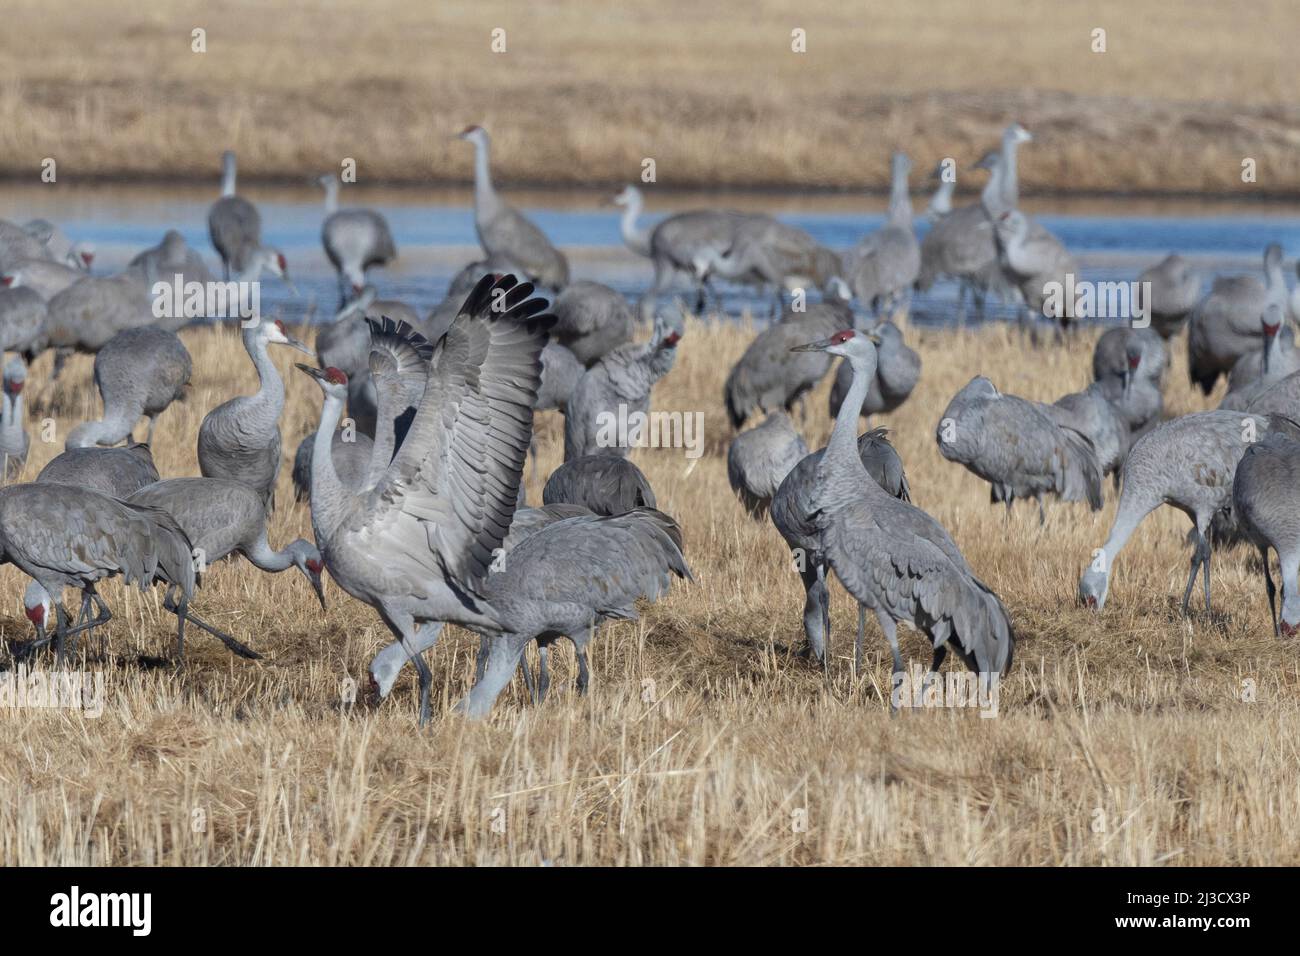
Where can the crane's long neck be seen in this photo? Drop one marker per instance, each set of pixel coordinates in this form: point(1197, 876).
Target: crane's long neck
point(841, 456)
point(114, 427)
point(991, 194)
point(638, 240)
point(11, 413)
point(228, 176)
point(1007, 172)
point(264, 558)
point(484, 194)
point(941, 202)
point(327, 492)
point(900, 200)
point(263, 407)
point(1275, 280)
point(331, 196)
point(1129, 515)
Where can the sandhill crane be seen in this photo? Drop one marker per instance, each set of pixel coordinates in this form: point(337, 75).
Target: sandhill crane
point(1017, 447)
point(352, 450)
point(563, 581)
point(1189, 463)
point(675, 243)
point(16, 244)
point(221, 518)
point(1265, 502)
point(14, 440)
point(1093, 416)
point(794, 512)
point(76, 255)
point(1225, 325)
point(1127, 365)
point(84, 316)
point(891, 556)
point(1254, 372)
point(618, 385)
point(769, 376)
point(1175, 290)
point(885, 264)
point(898, 369)
point(354, 240)
point(62, 536)
point(759, 459)
point(767, 252)
point(170, 258)
point(503, 230)
point(1110, 356)
point(118, 472)
point(941, 202)
point(47, 279)
point(560, 373)
point(23, 317)
point(603, 484)
point(138, 372)
point(462, 283)
point(1034, 258)
point(1280, 398)
point(591, 320)
point(240, 438)
point(417, 542)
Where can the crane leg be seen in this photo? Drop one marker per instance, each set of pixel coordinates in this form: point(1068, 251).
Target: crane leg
point(183, 614)
point(502, 661)
point(857, 645)
point(584, 676)
point(530, 684)
point(815, 626)
point(1272, 592)
point(543, 671)
point(84, 621)
point(891, 635)
point(148, 438)
point(1200, 555)
point(1205, 574)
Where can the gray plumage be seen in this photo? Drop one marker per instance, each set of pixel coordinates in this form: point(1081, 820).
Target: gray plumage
point(773, 254)
point(1255, 372)
point(417, 543)
point(1280, 398)
point(351, 461)
point(59, 247)
point(1225, 325)
point(591, 320)
point(138, 372)
point(1128, 365)
point(1266, 505)
point(118, 472)
point(560, 373)
point(768, 376)
point(17, 243)
point(885, 264)
point(84, 316)
point(355, 240)
point(898, 369)
point(503, 230)
point(895, 559)
point(234, 224)
point(1175, 290)
point(14, 440)
point(563, 581)
point(1017, 447)
point(1033, 258)
point(240, 438)
point(462, 284)
point(170, 258)
point(759, 459)
point(47, 279)
point(1189, 463)
point(604, 484)
point(618, 384)
point(23, 316)
point(1091, 415)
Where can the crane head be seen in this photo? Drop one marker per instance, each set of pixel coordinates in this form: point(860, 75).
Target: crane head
point(38, 607)
point(1093, 586)
point(846, 342)
point(473, 134)
point(275, 332)
point(306, 557)
point(333, 382)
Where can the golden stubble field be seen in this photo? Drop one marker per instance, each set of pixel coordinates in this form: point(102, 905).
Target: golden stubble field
point(1120, 739)
point(1185, 90)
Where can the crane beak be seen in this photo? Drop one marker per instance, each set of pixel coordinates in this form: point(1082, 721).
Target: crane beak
point(317, 373)
point(319, 587)
point(290, 340)
point(819, 346)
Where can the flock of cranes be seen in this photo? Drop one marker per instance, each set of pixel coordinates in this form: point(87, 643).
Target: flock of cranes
point(414, 473)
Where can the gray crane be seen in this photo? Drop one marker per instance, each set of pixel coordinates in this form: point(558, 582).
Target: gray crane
point(503, 230)
point(60, 248)
point(884, 265)
point(1280, 398)
point(1189, 463)
point(898, 369)
point(462, 283)
point(769, 376)
point(618, 385)
point(240, 438)
point(1277, 358)
point(416, 543)
point(604, 484)
point(221, 518)
point(1266, 505)
point(47, 279)
point(138, 372)
point(560, 373)
point(562, 582)
point(352, 451)
point(63, 536)
point(85, 315)
point(1032, 258)
point(1225, 325)
point(941, 202)
point(1175, 290)
point(1091, 414)
point(794, 513)
point(675, 243)
point(17, 243)
point(170, 258)
point(773, 254)
point(1017, 447)
point(895, 559)
point(592, 320)
point(1128, 365)
point(23, 317)
point(759, 459)
point(354, 239)
point(235, 228)
point(14, 440)
point(118, 472)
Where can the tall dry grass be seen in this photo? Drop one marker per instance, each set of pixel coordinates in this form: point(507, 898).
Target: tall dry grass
point(1121, 738)
point(713, 92)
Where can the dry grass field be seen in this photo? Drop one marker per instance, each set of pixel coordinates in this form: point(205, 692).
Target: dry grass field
point(713, 92)
point(1122, 738)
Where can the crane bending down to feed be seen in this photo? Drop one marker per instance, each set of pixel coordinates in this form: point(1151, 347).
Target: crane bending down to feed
point(62, 536)
point(417, 542)
point(1189, 463)
point(890, 555)
point(759, 458)
point(354, 240)
point(118, 472)
point(1266, 504)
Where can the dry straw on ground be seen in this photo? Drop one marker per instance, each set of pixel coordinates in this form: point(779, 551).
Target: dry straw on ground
point(1121, 738)
point(713, 92)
